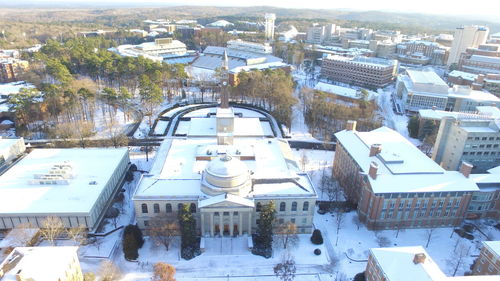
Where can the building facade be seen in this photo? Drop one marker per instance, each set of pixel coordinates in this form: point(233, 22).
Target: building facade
point(476, 141)
point(269, 28)
point(225, 168)
point(79, 184)
point(484, 59)
point(465, 37)
point(11, 68)
point(488, 262)
point(360, 71)
point(395, 185)
point(421, 90)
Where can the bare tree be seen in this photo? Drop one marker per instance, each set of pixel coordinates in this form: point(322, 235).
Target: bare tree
point(52, 227)
point(22, 235)
point(428, 235)
point(163, 272)
point(286, 269)
point(339, 220)
point(163, 229)
point(286, 235)
point(77, 234)
point(83, 131)
point(109, 271)
point(382, 241)
point(458, 258)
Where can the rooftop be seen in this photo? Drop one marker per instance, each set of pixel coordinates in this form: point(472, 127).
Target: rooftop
point(343, 91)
point(402, 167)
point(397, 264)
point(91, 170)
point(33, 262)
point(464, 75)
point(425, 77)
point(364, 60)
point(494, 246)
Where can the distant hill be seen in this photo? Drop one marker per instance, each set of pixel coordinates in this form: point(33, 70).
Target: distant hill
point(126, 15)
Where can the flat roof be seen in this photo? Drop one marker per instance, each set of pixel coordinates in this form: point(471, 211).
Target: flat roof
point(18, 196)
point(34, 262)
point(464, 75)
point(494, 246)
point(402, 167)
point(397, 264)
point(177, 174)
point(425, 77)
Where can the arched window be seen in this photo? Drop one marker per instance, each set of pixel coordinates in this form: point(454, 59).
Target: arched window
point(156, 208)
point(192, 208)
point(294, 206)
point(144, 208)
point(282, 206)
point(259, 207)
point(168, 208)
point(306, 206)
point(180, 206)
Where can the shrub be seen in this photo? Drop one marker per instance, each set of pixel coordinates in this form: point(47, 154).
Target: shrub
point(130, 247)
point(136, 232)
point(317, 238)
point(360, 277)
point(133, 168)
point(317, 252)
point(129, 176)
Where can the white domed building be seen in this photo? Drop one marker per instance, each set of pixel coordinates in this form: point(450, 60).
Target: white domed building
point(225, 163)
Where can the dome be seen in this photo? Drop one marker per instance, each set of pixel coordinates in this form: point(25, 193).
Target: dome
point(226, 166)
point(226, 174)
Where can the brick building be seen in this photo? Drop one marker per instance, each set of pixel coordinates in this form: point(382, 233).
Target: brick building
point(488, 262)
point(361, 71)
point(395, 185)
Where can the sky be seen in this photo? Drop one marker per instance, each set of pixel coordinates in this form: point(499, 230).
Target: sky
point(450, 7)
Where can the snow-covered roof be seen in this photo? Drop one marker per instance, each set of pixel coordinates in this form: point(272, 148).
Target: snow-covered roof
point(494, 246)
point(33, 263)
point(402, 167)
point(180, 162)
point(495, 170)
point(7, 89)
point(92, 169)
point(485, 59)
point(227, 197)
point(467, 93)
point(425, 77)
point(377, 62)
point(343, 91)
point(492, 111)
point(483, 113)
point(220, 23)
point(464, 75)
point(397, 264)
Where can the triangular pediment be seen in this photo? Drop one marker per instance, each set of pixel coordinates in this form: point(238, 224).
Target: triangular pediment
point(226, 200)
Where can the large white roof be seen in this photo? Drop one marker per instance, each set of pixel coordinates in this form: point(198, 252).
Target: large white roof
point(34, 263)
point(397, 264)
point(494, 246)
point(425, 77)
point(18, 196)
point(464, 75)
point(402, 167)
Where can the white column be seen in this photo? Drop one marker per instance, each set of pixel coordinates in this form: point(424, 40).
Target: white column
point(231, 226)
point(250, 223)
point(240, 226)
point(202, 224)
point(211, 224)
point(221, 226)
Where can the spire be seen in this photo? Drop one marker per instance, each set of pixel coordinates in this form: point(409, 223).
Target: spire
point(225, 81)
point(225, 61)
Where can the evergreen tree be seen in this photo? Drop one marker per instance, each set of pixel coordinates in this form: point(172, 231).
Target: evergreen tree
point(265, 226)
point(136, 233)
point(316, 237)
point(413, 126)
point(130, 247)
point(189, 240)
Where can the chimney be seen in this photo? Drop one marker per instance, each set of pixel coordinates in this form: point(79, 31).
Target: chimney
point(351, 125)
point(466, 168)
point(419, 258)
point(375, 149)
point(480, 79)
point(476, 86)
point(373, 170)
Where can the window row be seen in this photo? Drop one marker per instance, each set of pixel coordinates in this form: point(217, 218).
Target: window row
point(168, 208)
point(282, 207)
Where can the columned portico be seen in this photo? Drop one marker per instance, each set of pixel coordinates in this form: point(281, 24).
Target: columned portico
point(229, 215)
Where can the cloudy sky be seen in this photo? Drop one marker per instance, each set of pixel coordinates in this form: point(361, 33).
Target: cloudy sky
point(451, 7)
